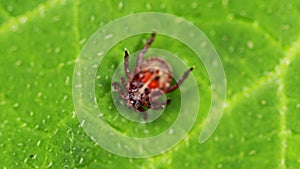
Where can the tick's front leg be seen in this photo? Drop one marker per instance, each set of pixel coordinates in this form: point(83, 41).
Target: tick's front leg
point(126, 65)
point(179, 82)
point(144, 50)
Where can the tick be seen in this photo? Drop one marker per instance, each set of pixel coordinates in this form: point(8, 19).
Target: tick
point(150, 79)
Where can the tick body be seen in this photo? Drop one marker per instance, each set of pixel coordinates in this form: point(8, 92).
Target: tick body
point(148, 82)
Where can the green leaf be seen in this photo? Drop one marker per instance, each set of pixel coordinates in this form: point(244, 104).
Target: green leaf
point(258, 43)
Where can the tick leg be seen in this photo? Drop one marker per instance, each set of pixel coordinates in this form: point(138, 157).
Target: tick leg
point(124, 82)
point(142, 110)
point(154, 103)
point(118, 88)
point(175, 86)
point(144, 115)
point(155, 95)
point(126, 64)
point(144, 50)
point(157, 105)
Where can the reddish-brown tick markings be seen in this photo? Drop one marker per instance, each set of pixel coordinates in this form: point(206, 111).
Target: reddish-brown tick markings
point(149, 81)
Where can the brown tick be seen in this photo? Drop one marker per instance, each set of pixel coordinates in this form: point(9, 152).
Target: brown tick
point(150, 79)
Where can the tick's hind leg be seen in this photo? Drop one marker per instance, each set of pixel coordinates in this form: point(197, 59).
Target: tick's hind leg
point(144, 50)
point(157, 105)
point(175, 86)
point(143, 111)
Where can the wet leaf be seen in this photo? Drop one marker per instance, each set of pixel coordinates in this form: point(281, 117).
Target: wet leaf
point(258, 43)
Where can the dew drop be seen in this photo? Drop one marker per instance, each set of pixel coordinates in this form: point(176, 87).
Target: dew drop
point(225, 3)
point(285, 27)
point(65, 98)
point(92, 18)
point(250, 44)
point(12, 49)
point(171, 131)
point(210, 5)
point(82, 123)
point(82, 41)
point(215, 63)
point(225, 38)
point(259, 116)
point(33, 156)
point(212, 32)
point(39, 94)
point(50, 164)
point(119, 145)
point(148, 5)
point(42, 11)
point(243, 13)
point(10, 8)
point(120, 5)
point(230, 17)
point(18, 63)
point(269, 10)
point(231, 49)
point(191, 34)
point(56, 50)
point(16, 105)
point(216, 138)
point(14, 28)
point(108, 36)
point(287, 61)
point(55, 18)
point(67, 81)
point(255, 24)
point(78, 85)
point(3, 102)
point(81, 160)
point(203, 44)
point(194, 5)
point(23, 20)
point(24, 125)
point(20, 144)
point(252, 152)
point(95, 66)
point(145, 131)
point(38, 143)
point(50, 84)
point(100, 53)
